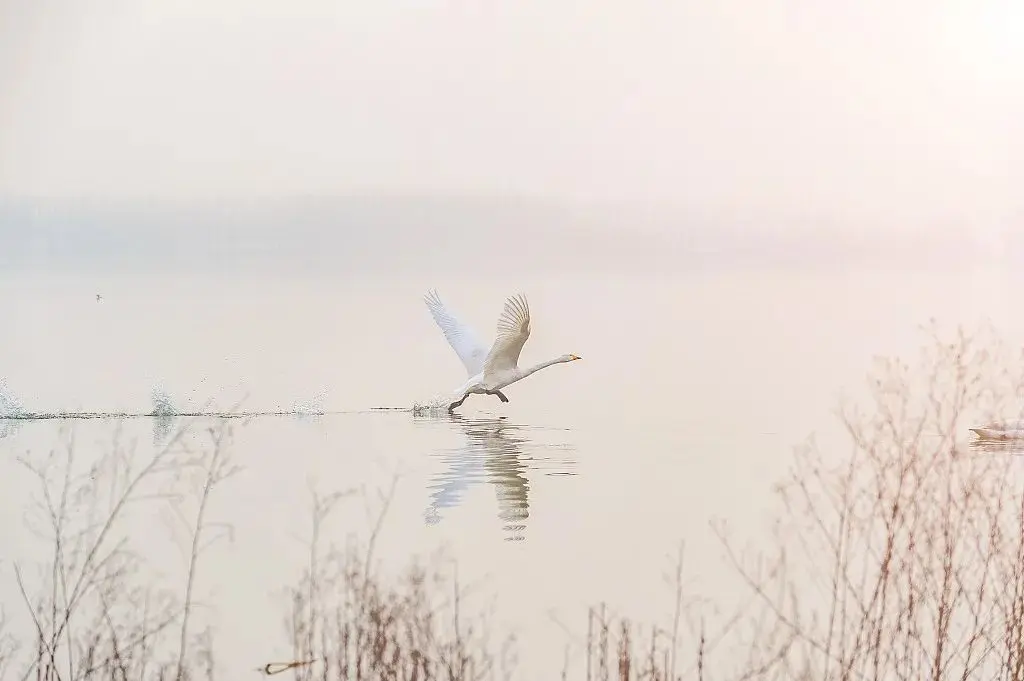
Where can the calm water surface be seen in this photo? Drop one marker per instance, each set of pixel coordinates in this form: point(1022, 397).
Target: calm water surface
point(690, 396)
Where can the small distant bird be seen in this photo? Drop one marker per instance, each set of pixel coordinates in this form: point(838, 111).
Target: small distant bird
point(98, 297)
point(489, 371)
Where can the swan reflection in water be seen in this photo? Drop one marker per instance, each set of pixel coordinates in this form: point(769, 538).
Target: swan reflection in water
point(500, 453)
point(1015, 447)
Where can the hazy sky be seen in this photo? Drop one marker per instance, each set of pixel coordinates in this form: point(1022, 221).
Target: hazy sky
point(853, 107)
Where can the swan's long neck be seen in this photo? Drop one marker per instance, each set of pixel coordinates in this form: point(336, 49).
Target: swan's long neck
point(523, 373)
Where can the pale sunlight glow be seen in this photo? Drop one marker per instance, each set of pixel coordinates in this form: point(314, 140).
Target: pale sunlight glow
point(989, 37)
point(877, 112)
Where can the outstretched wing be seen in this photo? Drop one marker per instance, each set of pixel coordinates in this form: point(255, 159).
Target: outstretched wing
point(513, 330)
point(462, 338)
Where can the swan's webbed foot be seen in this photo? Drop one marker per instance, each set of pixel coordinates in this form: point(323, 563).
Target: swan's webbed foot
point(453, 405)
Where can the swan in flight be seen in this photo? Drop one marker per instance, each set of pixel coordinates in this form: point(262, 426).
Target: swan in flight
point(489, 371)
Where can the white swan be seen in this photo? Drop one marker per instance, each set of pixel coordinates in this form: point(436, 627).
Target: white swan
point(489, 372)
point(1000, 430)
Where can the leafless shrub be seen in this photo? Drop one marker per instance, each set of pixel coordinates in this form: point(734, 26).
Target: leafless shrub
point(97, 614)
point(93, 610)
point(357, 626)
point(8, 645)
point(903, 559)
point(906, 559)
point(618, 649)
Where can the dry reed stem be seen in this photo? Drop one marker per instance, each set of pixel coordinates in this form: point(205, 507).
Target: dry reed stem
point(906, 560)
point(902, 560)
point(98, 616)
point(364, 629)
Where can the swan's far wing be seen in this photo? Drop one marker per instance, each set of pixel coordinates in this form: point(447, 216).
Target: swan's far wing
point(513, 330)
point(462, 338)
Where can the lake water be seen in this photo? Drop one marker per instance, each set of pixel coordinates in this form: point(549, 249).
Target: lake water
point(692, 392)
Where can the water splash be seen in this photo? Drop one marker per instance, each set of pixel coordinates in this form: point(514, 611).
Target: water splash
point(9, 406)
point(162, 403)
point(438, 404)
point(164, 413)
point(313, 407)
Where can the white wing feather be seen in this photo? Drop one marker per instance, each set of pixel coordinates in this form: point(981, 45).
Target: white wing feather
point(462, 338)
point(513, 330)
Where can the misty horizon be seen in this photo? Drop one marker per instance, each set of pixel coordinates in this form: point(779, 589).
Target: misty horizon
point(862, 114)
point(444, 234)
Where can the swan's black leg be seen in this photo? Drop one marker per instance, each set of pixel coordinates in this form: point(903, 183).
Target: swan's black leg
point(453, 405)
point(501, 395)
